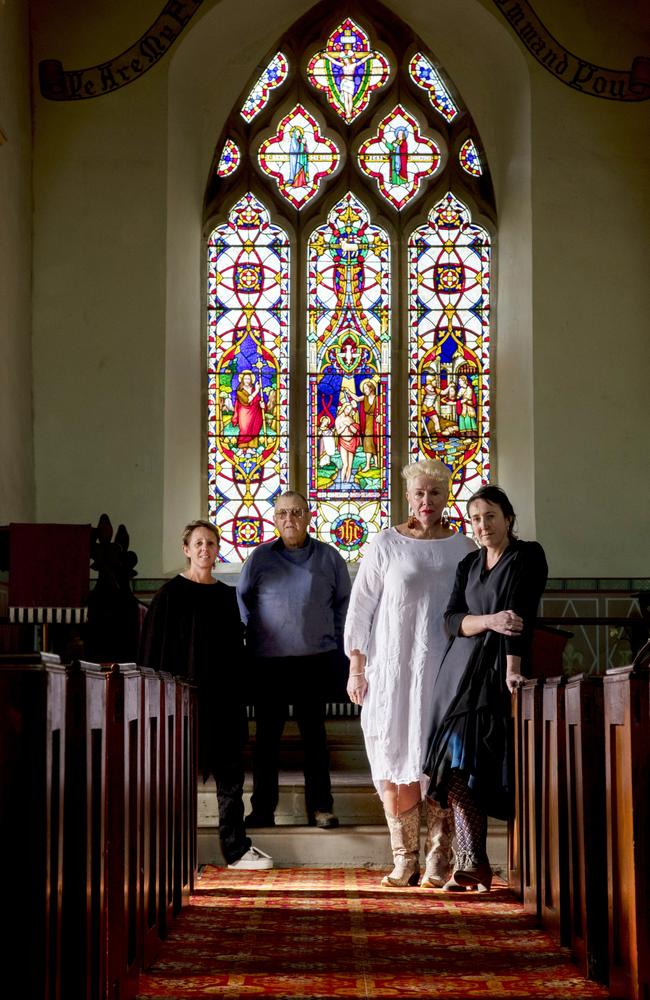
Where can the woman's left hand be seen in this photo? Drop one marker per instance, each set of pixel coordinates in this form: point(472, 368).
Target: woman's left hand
point(514, 680)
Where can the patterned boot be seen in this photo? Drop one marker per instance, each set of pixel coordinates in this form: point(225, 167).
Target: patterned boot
point(405, 844)
point(437, 846)
point(474, 872)
point(460, 859)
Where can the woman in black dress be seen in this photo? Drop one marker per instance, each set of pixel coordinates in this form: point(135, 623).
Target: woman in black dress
point(193, 629)
point(490, 618)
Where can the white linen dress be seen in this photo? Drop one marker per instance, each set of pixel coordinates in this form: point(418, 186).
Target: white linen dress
point(395, 617)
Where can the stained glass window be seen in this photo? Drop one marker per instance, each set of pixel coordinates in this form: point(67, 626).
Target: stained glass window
point(348, 70)
point(382, 320)
point(298, 157)
point(348, 348)
point(399, 157)
point(424, 75)
point(273, 76)
point(248, 375)
point(470, 161)
point(229, 159)
point(449, 340)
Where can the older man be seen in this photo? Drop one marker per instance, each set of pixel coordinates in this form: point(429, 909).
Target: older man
point(293, 595)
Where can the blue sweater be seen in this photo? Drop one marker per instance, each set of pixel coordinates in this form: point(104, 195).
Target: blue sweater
point(293, 601)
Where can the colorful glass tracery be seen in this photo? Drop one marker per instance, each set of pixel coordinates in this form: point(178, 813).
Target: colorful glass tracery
point(248, 376)
point(273, 76)
point(449, 341)
point(399, 157)
point(425, 76)
point(344, 444)
point(348, 70)
point(470, 161)
point(348, 372)
point(229, 159)
point(298, 156)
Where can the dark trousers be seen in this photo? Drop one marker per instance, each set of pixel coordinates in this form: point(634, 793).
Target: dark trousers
point(280, 682)
point(227, 755)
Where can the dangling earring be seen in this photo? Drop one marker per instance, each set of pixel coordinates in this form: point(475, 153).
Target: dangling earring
point(412, 521)
point(445, 519)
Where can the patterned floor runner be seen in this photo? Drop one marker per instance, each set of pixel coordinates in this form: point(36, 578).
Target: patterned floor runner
point(315, 933)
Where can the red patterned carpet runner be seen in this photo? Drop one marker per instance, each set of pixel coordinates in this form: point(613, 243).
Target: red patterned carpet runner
point(315, 933)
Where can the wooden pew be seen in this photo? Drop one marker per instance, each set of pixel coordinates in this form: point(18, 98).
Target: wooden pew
point(186, 855)
point(515, 825)
point(627, 806)
point(98, 810)
point(531, 766)
point(84, 895)
point(32, 781)
point(169, 800)
point(110, 800)
point(585, 767)
point(554, 896)
point(150, 788)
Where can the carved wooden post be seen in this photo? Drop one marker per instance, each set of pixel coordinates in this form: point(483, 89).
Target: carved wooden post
point(515, 823)
point(554, 846)
point(32, 777)
point(168, 810)
point(150, 796)
point(531, 743)
point(123, 766)
point(185, 860)
point(627, 790)
point(585, 767)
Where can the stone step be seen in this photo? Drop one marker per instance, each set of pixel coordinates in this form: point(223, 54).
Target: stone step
point(360, 841)
point(346, 847)
point(355, 800)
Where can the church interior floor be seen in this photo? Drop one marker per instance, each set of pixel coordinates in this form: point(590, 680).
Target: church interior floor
point(321, 933)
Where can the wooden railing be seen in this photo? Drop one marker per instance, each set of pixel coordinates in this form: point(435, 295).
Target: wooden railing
point(579, 851)
point(98, 793)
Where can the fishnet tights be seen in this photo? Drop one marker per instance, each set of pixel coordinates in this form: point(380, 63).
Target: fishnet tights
point(469, 819)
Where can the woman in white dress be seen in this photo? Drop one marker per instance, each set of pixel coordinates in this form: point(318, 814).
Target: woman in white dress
point(395, 637)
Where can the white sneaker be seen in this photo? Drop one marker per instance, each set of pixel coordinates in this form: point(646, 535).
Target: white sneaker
point(253, 860)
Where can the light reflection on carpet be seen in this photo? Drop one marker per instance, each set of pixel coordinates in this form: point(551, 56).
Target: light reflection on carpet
point(325, 933)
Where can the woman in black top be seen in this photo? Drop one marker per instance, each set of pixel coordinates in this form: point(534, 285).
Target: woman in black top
point(490, 618)
point(193, 629)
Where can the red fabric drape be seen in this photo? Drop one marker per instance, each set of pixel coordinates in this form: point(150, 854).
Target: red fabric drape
point(49, 565)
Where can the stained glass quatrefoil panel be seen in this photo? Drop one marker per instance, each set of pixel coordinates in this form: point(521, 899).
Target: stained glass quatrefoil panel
point(298, 156)
point(399, 157)
point(348, 70)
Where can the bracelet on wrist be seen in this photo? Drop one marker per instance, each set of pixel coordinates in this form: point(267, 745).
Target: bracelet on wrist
point(359, 673)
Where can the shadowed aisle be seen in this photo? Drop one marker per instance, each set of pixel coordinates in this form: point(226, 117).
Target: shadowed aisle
point(315, 933)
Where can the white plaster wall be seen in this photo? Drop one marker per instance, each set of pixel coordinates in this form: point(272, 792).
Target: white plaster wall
point(591, 206)
point(16, 453)
point(119, 329)
point(99, 281)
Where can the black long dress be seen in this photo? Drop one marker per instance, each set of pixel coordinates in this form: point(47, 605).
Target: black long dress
point(194, 630)
point(471, 727)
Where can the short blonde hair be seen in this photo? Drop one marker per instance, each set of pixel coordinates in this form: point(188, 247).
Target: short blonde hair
point(427, 467)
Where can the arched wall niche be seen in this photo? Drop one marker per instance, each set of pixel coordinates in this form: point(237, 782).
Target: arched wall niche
point(208, 73)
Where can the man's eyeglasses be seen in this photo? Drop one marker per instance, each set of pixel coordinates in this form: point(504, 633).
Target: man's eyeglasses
point(289, 512)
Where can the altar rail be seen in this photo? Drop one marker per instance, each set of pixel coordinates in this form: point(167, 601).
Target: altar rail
point(97, 800)
point(579, 844)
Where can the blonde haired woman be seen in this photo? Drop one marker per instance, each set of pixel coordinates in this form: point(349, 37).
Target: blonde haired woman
point(395, 638)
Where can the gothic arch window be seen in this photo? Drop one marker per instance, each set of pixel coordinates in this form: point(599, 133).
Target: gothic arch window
point(348, 217)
